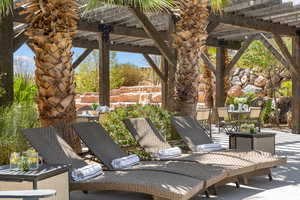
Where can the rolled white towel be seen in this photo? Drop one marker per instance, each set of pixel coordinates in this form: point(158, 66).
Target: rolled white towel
point(87, 172)
point(209, 147)
point(125, 162)
point(169, 153)
point(102, 109)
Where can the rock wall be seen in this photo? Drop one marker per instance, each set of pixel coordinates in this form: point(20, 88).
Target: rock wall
point(124, 96)
point(247, 80)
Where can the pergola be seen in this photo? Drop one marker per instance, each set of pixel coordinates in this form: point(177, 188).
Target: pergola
point(111, 28)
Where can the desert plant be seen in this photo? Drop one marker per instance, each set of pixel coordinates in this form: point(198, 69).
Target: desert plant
point(24, 90)
point(267, 111)
point(14, 118)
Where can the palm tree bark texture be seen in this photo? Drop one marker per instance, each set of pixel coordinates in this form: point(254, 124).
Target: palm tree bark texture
point(51, 27)
point(189, 40)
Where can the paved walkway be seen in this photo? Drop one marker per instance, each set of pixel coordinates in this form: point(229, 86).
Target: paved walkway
point(286, 183)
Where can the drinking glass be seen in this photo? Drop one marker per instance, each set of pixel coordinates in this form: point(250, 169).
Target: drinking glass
point(14, 160)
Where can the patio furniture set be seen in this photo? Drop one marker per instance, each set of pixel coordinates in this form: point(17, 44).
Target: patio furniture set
point(171, 177)
point(229, 119)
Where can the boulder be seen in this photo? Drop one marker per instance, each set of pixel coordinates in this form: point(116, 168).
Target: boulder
point(260, 81)
point(236, 72)
point(251, 88)
point(235, 91)
point(235, 80)
point(244, 79)
point(252, 78)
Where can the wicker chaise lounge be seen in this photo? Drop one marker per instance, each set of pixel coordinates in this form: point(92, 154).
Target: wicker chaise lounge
point(159, 184)
point(235, 163)
point(105, 149)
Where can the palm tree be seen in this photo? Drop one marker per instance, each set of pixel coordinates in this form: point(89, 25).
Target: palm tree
point(189, 41)
point(51, 27)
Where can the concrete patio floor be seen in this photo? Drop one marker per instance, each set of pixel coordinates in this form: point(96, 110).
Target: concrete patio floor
point(286, 183)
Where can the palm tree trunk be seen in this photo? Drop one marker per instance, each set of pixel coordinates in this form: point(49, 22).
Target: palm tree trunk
point(52, 24)
point(189, 40)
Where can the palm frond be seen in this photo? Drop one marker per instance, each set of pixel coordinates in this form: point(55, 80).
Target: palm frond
point(5, 6)
point(144, 5)
point(218, 5)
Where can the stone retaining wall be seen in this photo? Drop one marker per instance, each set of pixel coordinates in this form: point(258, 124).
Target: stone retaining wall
point(124, 96)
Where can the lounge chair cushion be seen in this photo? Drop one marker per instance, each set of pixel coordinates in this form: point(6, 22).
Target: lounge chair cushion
point(126, 161)
point(87, 172)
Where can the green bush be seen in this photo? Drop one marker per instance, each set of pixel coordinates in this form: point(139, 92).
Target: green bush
point(266, 111)
point(25, 90)
point(125, 75)
point(113, 123)
point(13, 119)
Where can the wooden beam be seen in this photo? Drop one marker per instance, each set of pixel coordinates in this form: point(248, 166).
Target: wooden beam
point(214, 42)
point(81, 58)
point(253, 23)
point(238, 55)
point(154, 34)
point(84, 25)
point(6, 58)
point(104, 85)
point(220, 77)
point(210, 65)
point(165, 99)
point(19, 40)
point(292, 63)
point(93, 44)
point(273, 50)
point(295, 87)
point(154, 67)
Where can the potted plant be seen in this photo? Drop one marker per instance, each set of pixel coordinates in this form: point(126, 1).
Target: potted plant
point(94, 107)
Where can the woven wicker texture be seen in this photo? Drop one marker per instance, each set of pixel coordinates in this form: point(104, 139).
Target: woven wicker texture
point(55, 150)
point(92, 135)
point(190, 131)
point(146, 134)
point(99, 142)
point(160, 184)
point(233, 162)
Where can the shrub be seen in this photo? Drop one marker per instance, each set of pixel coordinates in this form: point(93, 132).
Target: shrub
point(267, 111)
point(13, 119)
point(25, 90)
point(113, 123)
point(125, 75)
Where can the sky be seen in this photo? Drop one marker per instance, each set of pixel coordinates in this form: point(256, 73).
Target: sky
point(24, 53)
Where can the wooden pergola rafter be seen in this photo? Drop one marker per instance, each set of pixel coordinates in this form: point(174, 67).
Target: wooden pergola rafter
point(150, 34)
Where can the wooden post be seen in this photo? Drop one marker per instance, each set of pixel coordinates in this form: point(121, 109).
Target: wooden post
point(164, 84)
point(220, 75)
point(171, 70)
point(296, 87)
point(6, 58)
point(104, 86)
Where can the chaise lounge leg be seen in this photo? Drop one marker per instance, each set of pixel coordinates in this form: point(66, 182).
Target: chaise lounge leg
point(270, 177)
point(237, 184)
point(207, 194)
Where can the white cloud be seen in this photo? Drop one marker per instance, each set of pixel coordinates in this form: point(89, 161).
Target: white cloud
point(25, 59)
